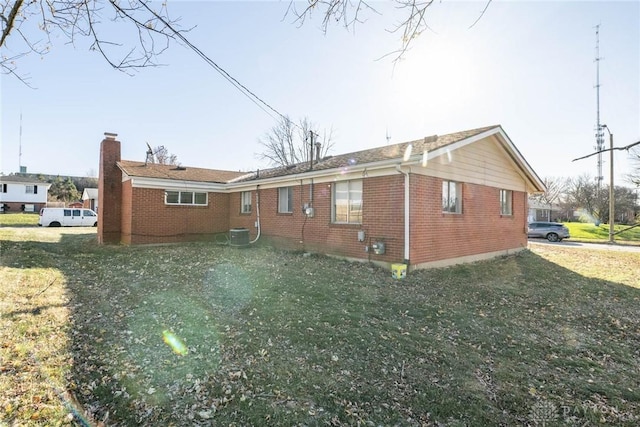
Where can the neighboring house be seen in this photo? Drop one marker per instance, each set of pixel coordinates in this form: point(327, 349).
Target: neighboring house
point(76, 205)
point(540, 211)
point(22, 194)
point(435, 201)
point(90, 199)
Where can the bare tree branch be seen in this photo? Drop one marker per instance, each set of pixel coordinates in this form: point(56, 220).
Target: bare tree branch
point(350, 12)
point(80, 19)
point(287, 143)
point(481, 14)
point(9, 21)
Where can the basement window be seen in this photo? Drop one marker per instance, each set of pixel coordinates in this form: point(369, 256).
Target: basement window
point(187, 198)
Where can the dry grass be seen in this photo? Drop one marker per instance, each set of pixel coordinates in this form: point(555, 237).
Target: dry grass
point(279, 338)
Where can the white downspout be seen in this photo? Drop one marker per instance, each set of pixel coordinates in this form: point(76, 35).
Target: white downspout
point(257, 213)
point(406, 213)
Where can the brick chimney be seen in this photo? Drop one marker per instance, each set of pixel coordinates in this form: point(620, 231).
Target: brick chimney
point(109, 191)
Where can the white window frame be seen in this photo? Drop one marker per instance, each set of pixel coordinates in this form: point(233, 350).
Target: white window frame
point(353, 203)
point(245, 202)
point(285, 194)
point(506, 202)
point(31, 189)
point(183, 195)
point(449, 189)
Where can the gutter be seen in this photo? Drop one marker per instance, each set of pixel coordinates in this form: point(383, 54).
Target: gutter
point(407, 215)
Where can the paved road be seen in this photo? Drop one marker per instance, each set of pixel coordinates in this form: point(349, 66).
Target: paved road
point(600, 246)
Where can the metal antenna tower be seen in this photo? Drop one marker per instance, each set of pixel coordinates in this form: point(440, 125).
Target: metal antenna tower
point(599, 130)
point(20, 146)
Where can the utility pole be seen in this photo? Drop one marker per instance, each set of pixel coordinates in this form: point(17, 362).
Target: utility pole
point(611, 192)
point(311, 149)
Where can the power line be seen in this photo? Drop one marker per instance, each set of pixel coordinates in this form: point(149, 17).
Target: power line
point(242, 88)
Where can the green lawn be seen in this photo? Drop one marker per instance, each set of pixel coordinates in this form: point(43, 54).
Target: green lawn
point(589, 232)
point(18, 219)
point(549, 337)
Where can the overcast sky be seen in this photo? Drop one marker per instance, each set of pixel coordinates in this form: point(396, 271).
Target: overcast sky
point(528, 66)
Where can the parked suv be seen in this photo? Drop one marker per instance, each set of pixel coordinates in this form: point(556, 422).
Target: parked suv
point(552, 231)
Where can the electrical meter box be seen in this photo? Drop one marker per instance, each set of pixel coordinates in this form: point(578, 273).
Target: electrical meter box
point(378, 248)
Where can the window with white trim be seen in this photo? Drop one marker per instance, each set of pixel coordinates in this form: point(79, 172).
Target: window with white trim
point(31, 189)
point(3, 188)
point(245, 202)
point(451, 197)
point(347, 202)
point(285, 200)
point(506, 202)
point(191, 198)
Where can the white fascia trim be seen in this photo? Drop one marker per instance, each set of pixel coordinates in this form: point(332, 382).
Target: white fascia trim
point(171, 184)
point(330, 175)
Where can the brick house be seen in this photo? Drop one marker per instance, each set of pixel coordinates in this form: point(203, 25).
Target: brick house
point(22, 194)
point(435, 201)
point(90, 199)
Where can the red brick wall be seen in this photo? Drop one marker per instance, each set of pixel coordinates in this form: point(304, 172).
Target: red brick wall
point(152, 221)
point(109, 192)
point(382, 220)
point(126, 213)
point(478, 229)
point(240, 220)
point(89, 204)
point(434, 235)
point(16, 207)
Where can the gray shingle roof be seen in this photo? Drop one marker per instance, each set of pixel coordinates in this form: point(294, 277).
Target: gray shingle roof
point(152, 170)
point(22, 179)
point(372, 155)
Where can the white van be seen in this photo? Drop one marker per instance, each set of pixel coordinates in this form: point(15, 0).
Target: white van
point(67, 217)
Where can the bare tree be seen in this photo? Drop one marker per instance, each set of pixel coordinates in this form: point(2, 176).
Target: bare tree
point(351, 12)
point(161, 156)
point(29, 25)
point(634, 176)
point(583, 194)
point(554, 190)
point(288, 143)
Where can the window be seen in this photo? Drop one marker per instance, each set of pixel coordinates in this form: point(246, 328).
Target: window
point(185, 198)
point(67, 212)
point(451, 197)
point(3, 188)
point(31, 189)
point(347, 202)
point(245, 202)
point(200, 198)
point(506, 207)
point(285, 200)
point(86, 212)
